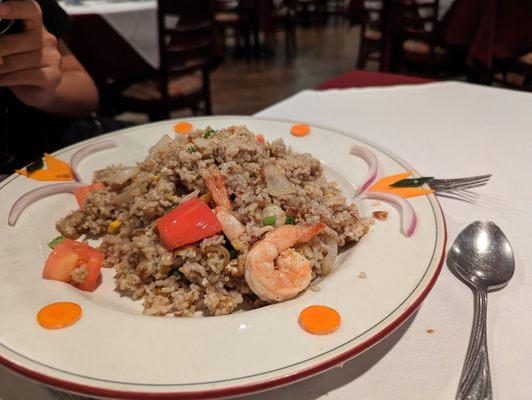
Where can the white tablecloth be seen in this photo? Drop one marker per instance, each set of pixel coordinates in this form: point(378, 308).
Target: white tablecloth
point(135, 21)
point(446, 130)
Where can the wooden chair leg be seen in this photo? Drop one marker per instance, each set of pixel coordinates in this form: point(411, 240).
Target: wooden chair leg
point(294, 36)
point(256, 39)
point(361, 62)
point(208, 104)
point(287, 37)
point(207, 92)
point(237, 32)
point(223, 33)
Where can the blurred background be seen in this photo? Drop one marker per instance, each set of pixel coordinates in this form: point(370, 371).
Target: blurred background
point(151, 59)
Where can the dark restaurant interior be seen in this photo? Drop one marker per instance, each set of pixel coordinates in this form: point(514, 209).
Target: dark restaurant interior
point(237, 57)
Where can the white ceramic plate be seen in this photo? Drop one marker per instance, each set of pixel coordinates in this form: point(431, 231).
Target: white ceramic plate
point(114, 351)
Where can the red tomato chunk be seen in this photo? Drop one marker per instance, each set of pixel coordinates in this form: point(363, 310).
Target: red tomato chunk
point(187, 223)
point(69, 255)
point(82, 193)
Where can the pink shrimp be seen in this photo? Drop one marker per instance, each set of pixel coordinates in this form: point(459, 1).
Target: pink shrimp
point(231, 226)
point(274, 271)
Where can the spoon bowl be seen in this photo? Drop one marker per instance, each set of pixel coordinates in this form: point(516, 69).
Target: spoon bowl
point(482, 256)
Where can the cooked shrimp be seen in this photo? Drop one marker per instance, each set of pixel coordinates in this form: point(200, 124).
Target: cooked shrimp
point(276, 272)
point(231, 226)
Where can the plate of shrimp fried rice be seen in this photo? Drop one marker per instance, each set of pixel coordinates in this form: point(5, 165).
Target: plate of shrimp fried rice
point(213, 242)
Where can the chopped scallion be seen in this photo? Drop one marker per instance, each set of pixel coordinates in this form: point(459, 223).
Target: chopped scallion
point(270, 220)
point(55, 242)
point(176, 272)
point(191, 149)
point(208, 133)
point(290, 220)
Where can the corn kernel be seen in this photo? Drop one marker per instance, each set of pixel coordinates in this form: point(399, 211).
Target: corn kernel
point(114, 226)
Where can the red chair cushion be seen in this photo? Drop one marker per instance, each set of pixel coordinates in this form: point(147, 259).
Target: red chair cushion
point(370, 78)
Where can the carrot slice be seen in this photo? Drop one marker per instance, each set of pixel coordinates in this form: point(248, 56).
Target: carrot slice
point(61, 167)
point(300, 130)
point(57, 170)
point(383, 185)
point(260, 138)
point(44, 175)
point(319, 320)
point(59, 315)
point(183, 127)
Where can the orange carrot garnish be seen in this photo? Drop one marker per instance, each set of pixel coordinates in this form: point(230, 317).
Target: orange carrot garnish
point(300, 130)
point(59, 315)
point(260, 138)
point(57, 170)
point(383, 185)
point(319, 320)
point(183, 127)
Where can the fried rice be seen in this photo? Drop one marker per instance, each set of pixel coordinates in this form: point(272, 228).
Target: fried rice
point(208, 276)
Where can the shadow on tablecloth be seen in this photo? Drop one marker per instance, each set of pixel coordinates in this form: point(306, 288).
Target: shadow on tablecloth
point(320, 385)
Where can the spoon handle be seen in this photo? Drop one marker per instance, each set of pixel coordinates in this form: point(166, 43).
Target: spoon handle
point(475, 382)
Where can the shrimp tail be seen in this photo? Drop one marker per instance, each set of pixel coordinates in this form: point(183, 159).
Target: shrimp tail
point(216, 186)
point(310, 232)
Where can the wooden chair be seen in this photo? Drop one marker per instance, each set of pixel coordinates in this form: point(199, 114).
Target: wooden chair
point(372, 33)
point(336, 9)
point(186, 50)
point(514, 73)
point(312, 10)
point(419, 51)
point(230, 19)
point(285, 17)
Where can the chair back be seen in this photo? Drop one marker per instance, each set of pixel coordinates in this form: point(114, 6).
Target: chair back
point(186, 31)
point(226, 5)
point(186, 36)
point(418, 20)
point(373, 15)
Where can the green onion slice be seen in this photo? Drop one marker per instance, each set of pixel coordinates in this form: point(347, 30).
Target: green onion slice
point(290, 220)
point(208, 133)
point(270, 220)
point(55, 242)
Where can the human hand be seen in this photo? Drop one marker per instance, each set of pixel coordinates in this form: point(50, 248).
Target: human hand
point(30, 61)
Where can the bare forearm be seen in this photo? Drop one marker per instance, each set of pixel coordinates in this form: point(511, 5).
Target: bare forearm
point(75, 97)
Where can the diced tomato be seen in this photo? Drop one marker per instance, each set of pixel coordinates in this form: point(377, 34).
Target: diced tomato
point(260, 138)
point(70, 254)
point(83, 192)
point(187, 223)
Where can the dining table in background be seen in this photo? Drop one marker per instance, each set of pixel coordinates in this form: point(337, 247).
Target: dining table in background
point(448, 129)
point(114, 40)
point(489, 29)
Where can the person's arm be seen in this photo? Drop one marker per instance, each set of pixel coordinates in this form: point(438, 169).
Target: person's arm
point(41, 71)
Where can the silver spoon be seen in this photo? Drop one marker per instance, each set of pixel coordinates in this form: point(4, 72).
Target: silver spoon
point(481, 256)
